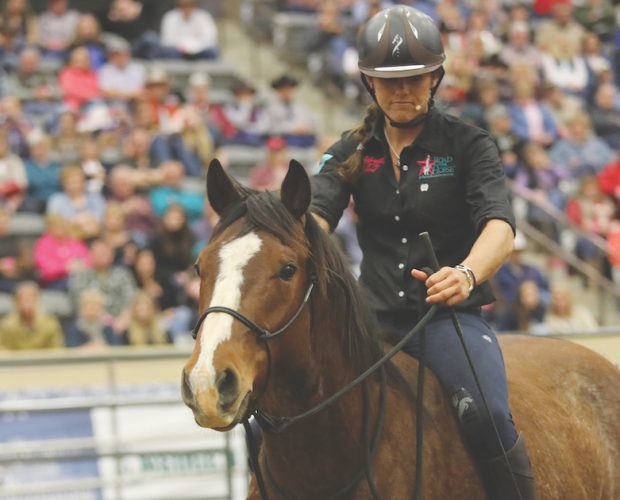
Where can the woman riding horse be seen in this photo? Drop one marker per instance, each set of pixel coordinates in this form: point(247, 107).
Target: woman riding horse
point(413, 169)
point(284, 330)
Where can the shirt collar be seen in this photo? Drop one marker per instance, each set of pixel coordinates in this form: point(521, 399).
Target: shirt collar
point(429, 139)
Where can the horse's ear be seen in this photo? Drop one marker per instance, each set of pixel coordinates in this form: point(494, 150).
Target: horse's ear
point(295, 191)
point(221, 190)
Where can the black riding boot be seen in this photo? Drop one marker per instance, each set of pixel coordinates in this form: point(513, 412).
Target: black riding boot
point(498, 481)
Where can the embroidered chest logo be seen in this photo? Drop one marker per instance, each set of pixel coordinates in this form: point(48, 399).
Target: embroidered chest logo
point(436, 166)
point(371, 165)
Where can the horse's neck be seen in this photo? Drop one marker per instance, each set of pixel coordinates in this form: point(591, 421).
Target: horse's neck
point(306, 376)
point(322, 445)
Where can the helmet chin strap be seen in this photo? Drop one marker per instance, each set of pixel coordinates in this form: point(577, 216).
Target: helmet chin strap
point(410, 123)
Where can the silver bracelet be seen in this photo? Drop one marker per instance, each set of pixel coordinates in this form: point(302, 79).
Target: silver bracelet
point(469, 274)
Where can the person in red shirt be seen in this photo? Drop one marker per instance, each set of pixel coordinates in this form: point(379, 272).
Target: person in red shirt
point(79, 83)
point(609, 180)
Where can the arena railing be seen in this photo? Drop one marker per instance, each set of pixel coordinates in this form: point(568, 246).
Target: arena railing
point(116, 362)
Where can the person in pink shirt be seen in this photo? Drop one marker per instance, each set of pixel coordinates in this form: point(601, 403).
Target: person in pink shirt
point(57, 253)
point(78, 82)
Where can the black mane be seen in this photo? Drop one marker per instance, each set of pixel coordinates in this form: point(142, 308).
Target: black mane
point(336, 286)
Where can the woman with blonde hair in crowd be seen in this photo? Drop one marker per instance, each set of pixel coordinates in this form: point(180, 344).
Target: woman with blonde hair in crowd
point(194, 146)
point(83, 210)
point(564, 65)
point(145, 326)
point(566, 316)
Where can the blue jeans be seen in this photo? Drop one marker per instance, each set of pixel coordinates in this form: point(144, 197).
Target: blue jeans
point(166, 148)
point(444, 355)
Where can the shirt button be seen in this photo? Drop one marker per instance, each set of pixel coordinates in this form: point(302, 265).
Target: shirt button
point(398, 191)
point(401, 266)
point(405, 167)
point(404, 240)
point(397, 218)
point(401, 294)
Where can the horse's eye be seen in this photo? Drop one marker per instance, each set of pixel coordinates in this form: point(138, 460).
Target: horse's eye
point(287, 272)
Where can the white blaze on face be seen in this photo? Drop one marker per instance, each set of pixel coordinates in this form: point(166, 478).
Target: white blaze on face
point(217, 327)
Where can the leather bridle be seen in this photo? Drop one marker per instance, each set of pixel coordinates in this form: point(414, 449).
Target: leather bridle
point(278, 424)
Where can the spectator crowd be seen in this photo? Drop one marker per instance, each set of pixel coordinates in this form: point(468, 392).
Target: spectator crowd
point(108, 151)
point(99, 141)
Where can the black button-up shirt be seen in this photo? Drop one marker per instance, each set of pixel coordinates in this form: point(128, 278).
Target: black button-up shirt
point(451, 184)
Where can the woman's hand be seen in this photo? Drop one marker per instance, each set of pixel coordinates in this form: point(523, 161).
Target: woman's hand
point(448, 285)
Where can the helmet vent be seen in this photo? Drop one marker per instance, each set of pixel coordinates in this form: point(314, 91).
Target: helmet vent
point(413, 28)
point(380, 34)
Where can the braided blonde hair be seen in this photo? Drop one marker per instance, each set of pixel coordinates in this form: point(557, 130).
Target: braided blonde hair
point(352, 167)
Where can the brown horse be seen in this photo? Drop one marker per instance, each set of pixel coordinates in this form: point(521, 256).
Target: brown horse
point(261, 263)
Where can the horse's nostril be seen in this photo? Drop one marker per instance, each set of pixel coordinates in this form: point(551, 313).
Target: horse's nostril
point(227, 384)
point(186, 389)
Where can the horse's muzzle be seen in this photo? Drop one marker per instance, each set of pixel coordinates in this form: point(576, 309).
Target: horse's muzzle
point(219, 407)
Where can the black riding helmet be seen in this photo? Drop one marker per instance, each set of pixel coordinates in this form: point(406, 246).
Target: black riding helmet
point(400, 42)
